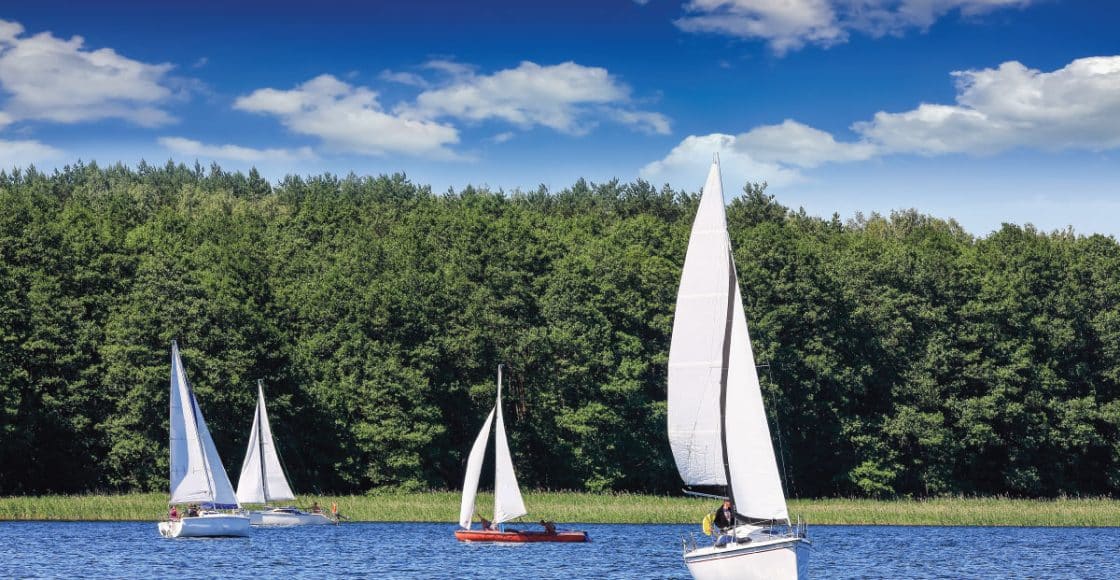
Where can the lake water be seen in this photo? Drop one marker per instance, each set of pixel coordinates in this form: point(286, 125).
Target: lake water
point(115, 550)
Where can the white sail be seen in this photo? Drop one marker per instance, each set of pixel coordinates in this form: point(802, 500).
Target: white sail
point(474, 470)
point(262, 477)
point(189, 479)
point(696, 350)
point(755, 486)
point(507, 495)
point(197, 474)
point(710, 328)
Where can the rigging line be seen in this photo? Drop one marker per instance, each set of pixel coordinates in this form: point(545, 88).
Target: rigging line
point(777, 427)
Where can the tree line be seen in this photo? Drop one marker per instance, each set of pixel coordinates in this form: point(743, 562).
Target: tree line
point(906, 356)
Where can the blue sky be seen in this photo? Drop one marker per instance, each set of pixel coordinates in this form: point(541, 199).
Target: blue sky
point(985, 111)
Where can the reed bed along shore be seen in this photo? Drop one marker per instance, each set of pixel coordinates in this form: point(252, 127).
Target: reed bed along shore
point(443, 506)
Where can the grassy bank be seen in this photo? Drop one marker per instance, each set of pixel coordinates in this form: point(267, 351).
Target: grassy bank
point(624, 508)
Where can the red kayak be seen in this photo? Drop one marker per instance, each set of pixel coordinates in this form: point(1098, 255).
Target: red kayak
point(517, 536)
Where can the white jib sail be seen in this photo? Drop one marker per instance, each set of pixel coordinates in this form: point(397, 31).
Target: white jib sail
point(696, 350)
point(755, 484)
point(507, 495)
point(190, 481)
point(262, 478)
point(474, 470)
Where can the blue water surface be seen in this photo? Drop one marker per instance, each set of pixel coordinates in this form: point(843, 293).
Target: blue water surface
point(136, 550)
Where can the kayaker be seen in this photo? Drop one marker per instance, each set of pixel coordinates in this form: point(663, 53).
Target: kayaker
point(549, 527)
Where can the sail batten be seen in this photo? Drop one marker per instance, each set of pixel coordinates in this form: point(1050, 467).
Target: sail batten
point(717, 422)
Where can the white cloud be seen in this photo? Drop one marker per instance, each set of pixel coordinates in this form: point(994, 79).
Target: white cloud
point(24, 153)
point(58, 80)
point(790, 24)
point(1075, 107)
point(350, 119)
point(1012, 106)
point(192, 148)
point(567, 97)
point(792, 143)
point(502, 137)
point(687, 164)
point(645, 121)
point(404, 78)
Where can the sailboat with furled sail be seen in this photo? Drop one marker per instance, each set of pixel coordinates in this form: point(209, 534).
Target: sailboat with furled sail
point(263, 480)
point(717, 422)
point(198, 478)
point(508, 504)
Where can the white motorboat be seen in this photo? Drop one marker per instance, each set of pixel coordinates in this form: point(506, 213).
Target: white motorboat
point(717, 422)
point(197, 474)
point(263, 480)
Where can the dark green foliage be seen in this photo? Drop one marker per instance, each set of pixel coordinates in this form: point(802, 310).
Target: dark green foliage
point(905, 356)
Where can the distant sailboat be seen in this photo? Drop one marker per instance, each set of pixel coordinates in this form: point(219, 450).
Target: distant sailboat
point(508, 504)
point(197, 474)
point(717, 423)
point(263, 480)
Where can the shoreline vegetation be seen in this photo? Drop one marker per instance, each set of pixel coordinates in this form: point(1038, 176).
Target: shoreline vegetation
point(573, 507)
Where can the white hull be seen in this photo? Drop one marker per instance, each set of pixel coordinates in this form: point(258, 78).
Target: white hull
point(773, 559)
point(206, 526)
point(288, 518)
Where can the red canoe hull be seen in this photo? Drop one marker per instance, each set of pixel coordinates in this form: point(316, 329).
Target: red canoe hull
point(512, 536)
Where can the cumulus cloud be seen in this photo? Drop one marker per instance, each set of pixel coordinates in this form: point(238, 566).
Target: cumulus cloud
point(24, 153)
point(567, 97)
point(192, 148)
point(1075, 107)
point(350, 119)
point(790, 24)
point(48, 78)
point(996, 109)
point(686, 165)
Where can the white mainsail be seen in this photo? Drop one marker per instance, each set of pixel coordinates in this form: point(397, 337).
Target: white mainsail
point(262, 477)
point(710, 357)
point(197, 474)
point(508, 504)
point(474, 470)
point(507, 495)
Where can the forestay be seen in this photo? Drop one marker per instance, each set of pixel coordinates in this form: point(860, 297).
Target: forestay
point(262, 477)
point(197, 474)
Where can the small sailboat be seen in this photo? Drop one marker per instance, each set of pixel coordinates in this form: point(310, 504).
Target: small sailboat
point(717, 422)
point(198, 478)
point(263, 480)
point(507, 495)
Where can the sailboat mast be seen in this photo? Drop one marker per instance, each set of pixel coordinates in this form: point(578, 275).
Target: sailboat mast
point(726, 364)
point(260, 440)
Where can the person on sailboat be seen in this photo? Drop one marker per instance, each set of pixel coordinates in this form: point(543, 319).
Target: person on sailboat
point(724, 522)
point(174, 514)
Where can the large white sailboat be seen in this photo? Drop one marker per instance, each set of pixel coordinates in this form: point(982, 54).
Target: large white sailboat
point(717, 422)
point(508, 504)
point(263, 480)
point(197, 475)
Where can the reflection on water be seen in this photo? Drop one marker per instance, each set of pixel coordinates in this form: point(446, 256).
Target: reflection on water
point(39, 550)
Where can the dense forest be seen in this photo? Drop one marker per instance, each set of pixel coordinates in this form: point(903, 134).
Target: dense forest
point(904, 356)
